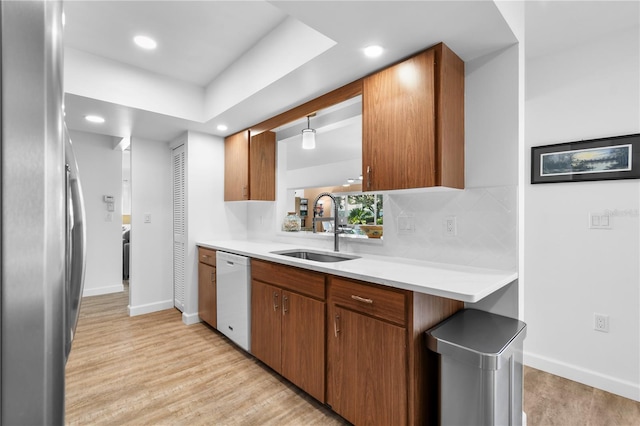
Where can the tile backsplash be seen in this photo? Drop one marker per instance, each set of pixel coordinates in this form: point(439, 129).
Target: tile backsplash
point(486, 228)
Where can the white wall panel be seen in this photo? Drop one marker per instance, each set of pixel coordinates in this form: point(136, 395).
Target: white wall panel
point(100, 170)
point(589, 91)
point(150, 282)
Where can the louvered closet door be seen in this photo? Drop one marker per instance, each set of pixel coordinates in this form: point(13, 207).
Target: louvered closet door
point(179, 227)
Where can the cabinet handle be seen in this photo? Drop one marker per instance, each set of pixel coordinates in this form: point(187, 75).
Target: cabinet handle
point(244, 191)
point(275, 301)
point(285, 300)
point(336, 326)
point(213, 277)
point(205, 258)
point(368, 177)
point(361, 299)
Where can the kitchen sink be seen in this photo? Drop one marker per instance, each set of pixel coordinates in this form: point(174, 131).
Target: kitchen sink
point(316, 256)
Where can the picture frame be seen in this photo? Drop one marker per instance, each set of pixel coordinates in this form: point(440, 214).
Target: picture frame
point(616, 157)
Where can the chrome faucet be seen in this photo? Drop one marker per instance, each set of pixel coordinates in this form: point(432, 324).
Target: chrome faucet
point(336, 231)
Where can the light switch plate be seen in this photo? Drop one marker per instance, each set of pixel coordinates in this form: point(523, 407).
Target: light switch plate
point(406, 224)
point(600, 221)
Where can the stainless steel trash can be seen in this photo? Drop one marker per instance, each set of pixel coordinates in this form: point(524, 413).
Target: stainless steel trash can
point(480, 368)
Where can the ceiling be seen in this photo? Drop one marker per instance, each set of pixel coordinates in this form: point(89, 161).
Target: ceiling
point(241, 62)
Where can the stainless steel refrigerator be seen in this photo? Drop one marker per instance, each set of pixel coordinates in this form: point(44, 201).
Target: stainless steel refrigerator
point(42, 251)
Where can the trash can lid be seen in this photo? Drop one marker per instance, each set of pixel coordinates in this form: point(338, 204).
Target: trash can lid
point(480, 333)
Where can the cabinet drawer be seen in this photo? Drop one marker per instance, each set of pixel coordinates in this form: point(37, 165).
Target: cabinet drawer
point(377, 301)
point(207, 256)
point(298, 280)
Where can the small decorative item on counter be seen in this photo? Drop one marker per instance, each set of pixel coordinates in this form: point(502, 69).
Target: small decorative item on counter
point(292, 222)
point(372, 231)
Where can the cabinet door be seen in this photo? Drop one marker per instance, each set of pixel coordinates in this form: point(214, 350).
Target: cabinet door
point(399, 126)
point(266, 323)
point(342, 362)
point(303, 343)
point(207, 293)
point(262, 167)
point(382, 373)
point(367, 369)
point(236, 167)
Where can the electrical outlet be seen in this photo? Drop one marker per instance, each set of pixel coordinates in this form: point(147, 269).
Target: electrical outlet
point(601, 322)
point(450, 226)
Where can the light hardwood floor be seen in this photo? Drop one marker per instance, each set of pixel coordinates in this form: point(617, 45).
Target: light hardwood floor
point(154, 370)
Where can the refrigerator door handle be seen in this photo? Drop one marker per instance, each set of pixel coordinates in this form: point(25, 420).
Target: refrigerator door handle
point(76, 246)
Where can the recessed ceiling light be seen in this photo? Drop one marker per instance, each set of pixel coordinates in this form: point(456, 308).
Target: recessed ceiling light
point(373, 51)
point(94, 118)
point(145, 42)
point(222, 127)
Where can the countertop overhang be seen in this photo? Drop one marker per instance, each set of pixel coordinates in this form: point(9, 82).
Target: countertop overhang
point(467, 284)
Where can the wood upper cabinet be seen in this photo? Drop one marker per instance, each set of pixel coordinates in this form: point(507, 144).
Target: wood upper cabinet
point(236, 167)
point(262, 167)
point(288, 323)
point(413, 123)
point(207, 286)
point(250, 166)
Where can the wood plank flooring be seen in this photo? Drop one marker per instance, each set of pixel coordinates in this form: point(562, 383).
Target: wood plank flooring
point(553, 400)
point(154, 370)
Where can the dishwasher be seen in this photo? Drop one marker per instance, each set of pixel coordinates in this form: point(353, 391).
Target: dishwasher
point(233, 288)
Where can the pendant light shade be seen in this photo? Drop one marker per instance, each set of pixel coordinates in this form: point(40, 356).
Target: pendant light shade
point(308, 137)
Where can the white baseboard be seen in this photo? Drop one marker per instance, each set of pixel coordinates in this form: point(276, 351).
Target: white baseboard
point(97, 291)
point(610, 384)
point(150, 307)
point(189, 319)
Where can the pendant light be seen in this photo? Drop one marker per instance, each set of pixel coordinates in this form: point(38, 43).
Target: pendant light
point(308, 136)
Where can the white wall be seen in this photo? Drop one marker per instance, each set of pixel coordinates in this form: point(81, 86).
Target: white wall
point(100, 168)
point(587, 92)
point(150, 280)
point(208, 216)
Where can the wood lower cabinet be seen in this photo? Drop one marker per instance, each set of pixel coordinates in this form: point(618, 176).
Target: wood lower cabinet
point(288, 323)
point(266, 324)
point(379, 371)
point(356, 346)
point(303, 343)
point(207, 286)
point(413, 123)
point(367, 374)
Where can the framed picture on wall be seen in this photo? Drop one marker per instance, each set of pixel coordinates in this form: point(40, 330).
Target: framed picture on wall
point(616, 157)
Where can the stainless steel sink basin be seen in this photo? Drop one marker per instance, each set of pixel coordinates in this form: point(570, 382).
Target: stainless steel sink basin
point(316, 256)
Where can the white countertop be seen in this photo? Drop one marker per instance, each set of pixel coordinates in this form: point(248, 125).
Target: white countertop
point(463, 283)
